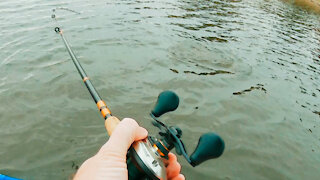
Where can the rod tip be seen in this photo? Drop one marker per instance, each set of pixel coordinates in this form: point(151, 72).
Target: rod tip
point(57, 30)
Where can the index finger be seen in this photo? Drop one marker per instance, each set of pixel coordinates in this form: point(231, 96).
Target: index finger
point(173, 167)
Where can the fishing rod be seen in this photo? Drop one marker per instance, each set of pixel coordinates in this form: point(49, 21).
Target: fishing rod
point(111, 121)
point(145, 158)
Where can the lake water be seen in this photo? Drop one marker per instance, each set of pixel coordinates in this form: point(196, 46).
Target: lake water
point(245, 69)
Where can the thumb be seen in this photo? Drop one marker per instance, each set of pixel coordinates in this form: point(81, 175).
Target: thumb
point(126, 132)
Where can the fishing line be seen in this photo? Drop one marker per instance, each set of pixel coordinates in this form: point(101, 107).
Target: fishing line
point(54, 16)
point(67, 9)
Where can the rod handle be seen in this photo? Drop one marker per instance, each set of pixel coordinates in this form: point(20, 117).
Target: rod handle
point(110, 123)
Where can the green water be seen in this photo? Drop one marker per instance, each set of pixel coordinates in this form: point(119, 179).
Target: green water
point(245, 69)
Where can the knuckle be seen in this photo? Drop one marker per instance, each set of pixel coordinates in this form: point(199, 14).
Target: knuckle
point(130, 121)
point(179, 167)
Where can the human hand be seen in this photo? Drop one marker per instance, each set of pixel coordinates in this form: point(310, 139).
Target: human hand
point(110, 162)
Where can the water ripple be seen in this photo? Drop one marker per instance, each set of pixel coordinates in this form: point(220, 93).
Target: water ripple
point(248, 70)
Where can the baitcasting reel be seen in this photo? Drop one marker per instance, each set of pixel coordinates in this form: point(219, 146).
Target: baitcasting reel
point(144, 158)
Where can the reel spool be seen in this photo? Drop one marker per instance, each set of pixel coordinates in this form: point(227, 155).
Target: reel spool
point(145, 158)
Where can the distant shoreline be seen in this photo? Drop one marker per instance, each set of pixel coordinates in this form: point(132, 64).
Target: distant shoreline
point(313, 5)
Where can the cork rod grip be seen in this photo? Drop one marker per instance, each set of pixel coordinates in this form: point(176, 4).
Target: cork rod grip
point(110, 123)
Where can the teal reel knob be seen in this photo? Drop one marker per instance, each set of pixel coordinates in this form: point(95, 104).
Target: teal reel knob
point(167, 101)
point(210, 146)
